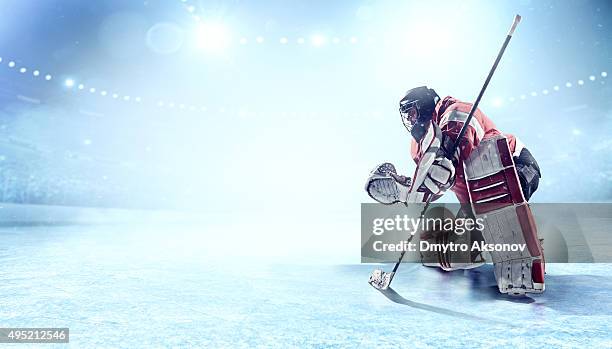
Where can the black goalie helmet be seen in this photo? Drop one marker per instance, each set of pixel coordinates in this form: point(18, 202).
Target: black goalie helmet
point(417, 108)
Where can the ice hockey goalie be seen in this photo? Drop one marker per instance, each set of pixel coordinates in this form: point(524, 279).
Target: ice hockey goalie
point(492, 172)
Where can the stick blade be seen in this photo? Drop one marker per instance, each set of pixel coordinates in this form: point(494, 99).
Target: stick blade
point(380, 280)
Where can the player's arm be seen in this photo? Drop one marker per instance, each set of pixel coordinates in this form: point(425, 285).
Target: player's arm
point(439, 177)
point(437, 174)
point(451, 123)
point(434, 175)
point(387, 187)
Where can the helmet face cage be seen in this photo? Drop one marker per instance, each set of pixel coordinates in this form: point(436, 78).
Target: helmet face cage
point(409, 112)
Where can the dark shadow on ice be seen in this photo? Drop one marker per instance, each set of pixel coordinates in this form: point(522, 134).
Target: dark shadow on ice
point(578, 294)
point(569, 294)
point(397, 298)
point(484, 286)
point(482, 283)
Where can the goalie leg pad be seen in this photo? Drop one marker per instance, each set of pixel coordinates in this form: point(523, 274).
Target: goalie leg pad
point(496, 198)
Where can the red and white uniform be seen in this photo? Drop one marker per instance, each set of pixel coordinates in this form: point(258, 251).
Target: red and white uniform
point(449, 116)
point(486, 158)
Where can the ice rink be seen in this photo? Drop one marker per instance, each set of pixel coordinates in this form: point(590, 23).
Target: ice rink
point(194, 174)
point(132, 286)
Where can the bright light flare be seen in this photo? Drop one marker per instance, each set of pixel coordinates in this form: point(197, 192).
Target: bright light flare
point(212, 36)
point(318, 40)
point(497, 102)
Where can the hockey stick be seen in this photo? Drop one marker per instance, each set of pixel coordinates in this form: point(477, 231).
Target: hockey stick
point(380, 279)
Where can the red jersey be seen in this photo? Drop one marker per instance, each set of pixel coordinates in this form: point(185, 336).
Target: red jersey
point(450, 115)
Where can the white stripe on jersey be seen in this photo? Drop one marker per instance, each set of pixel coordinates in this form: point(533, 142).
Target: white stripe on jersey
point(458, 116)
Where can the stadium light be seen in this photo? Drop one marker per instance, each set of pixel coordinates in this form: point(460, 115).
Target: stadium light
point(318, 40)
point(69, 83)
point(212, 36)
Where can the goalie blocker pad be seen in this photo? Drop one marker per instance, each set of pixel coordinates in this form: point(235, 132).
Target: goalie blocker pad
point(496, 197)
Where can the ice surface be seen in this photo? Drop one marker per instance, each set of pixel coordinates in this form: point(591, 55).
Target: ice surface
point(125, 286)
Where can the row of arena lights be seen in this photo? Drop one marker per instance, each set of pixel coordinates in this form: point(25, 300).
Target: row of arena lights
point(217, 32)
point(69, 83)
point(23, 70)
point(216, 36)
point(315, 40)
point(72, 84)
point(498, 102)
